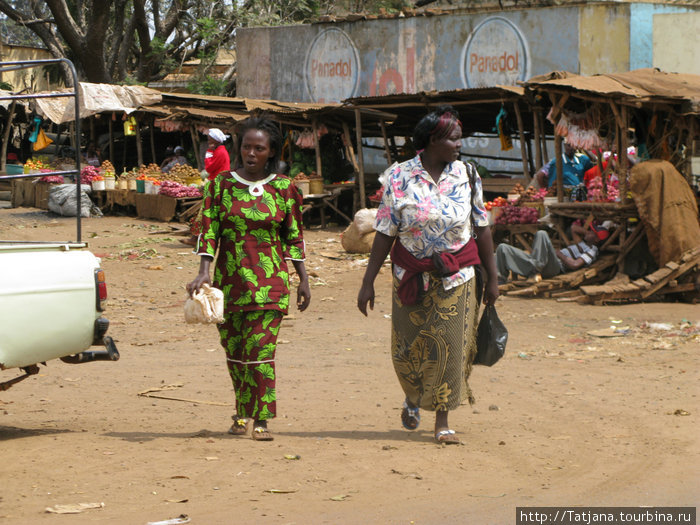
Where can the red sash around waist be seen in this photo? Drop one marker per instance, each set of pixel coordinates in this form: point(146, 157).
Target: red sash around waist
point(444, 264)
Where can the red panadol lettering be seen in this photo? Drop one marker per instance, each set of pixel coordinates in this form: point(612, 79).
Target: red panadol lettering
point(341, 68)
point(494, 63)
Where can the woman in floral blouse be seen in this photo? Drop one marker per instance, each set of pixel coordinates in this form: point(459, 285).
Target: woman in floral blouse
point(434, 223)
point(252, 216)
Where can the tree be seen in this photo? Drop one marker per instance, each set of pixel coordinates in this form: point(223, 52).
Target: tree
point(124, 41)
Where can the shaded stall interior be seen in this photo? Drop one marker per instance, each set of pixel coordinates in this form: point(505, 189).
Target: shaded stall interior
point(657, 113)
point(479, 109)
point(333, 155)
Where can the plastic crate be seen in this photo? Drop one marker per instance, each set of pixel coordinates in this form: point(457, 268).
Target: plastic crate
point(14, 169)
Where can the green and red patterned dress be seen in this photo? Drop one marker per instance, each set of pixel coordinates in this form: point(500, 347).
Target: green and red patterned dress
point(256, 227)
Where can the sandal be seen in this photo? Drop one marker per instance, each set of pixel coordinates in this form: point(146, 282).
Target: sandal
point(239, 427)
point(448, 437)
point(261, 434)
point(410, 417)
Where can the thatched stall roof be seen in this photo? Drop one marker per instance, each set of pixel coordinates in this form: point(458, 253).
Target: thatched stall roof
point(636, 88)
point(478, 106)
point(224, 112)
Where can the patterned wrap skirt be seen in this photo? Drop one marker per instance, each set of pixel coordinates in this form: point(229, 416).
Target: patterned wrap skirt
point(433, 344)
point(250, 341)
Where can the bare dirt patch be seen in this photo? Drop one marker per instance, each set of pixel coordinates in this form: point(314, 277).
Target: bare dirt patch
point(566, 418)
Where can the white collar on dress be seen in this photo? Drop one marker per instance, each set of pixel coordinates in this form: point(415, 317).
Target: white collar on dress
point(255, 188)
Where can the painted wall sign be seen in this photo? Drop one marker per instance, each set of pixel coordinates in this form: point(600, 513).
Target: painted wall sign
point(332, 67)
point(495, 53)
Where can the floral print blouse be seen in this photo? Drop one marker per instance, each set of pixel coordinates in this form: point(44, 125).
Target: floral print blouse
point(256, 227)
point(431, 218)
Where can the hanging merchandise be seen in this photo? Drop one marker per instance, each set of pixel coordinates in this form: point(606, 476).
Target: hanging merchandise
point(306, 139)
point(580, 129)
point(42, 140)
point(130, 127)
point(35, 132)
point(503, 130)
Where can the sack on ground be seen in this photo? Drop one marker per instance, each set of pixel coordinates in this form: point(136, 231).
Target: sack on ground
point(355, 242)
point(491, 338)
point(205, 306)
point(63, 200)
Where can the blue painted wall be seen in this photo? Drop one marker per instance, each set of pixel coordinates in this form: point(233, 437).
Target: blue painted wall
point(641, 31)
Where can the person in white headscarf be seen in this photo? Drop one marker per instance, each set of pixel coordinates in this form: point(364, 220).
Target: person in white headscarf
point(216, 158)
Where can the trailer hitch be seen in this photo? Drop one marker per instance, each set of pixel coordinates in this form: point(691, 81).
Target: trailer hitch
point(109, 354)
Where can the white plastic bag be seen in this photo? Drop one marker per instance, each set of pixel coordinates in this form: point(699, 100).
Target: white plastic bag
point(364, 220)
point(205, 306)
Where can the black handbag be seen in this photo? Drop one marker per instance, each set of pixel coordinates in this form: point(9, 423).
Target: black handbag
point(491, 338)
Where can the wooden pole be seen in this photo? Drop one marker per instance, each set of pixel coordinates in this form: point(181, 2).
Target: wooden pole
point(622, 155)
point(111, 141)
point(139, 146)
point(124, 152)
point(317, 148)
point(387, 151)
point(538, 138)
point(688, 172)
point(360, 157)
point(528, 143)
point(153, 140)
point(545, 153)
point(6, 135)
point(523, 146)
point(195, 144)
point(559, 164)
point(351, 152)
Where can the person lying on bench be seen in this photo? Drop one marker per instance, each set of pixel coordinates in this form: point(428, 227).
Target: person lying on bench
point(544, 260)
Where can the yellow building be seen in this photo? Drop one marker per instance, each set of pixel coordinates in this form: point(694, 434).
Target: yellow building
point(34, 79)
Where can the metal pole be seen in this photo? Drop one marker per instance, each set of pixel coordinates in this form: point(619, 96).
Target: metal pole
point(76, 91)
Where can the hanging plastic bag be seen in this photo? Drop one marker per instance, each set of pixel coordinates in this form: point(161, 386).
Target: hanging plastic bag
point(130, 127)
point(42, 140)
point(205, 306)
point(491, 338)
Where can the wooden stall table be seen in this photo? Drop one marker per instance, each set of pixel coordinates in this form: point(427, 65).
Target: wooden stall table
point(111, 200)
point(162, 207)
point(325, 201)
point(519, 235)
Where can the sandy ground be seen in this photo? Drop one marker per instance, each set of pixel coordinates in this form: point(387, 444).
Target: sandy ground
point(566, 418)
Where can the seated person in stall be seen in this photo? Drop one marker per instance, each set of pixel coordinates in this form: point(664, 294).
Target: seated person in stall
point(12, 158)
point(178, 157)
point(545, 261)
point(92, 156)
point(169, 153)
point(574, 166)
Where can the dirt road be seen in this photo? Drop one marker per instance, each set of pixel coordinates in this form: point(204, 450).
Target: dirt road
point(566, 418)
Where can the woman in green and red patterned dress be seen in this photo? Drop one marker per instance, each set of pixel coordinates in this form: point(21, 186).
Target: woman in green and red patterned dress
point(253, 217)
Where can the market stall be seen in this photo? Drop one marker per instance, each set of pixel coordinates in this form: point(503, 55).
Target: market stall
point(501, 112)
point(319, 149)
point(628, 121)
